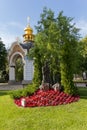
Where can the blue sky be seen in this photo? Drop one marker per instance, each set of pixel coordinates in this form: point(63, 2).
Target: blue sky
point(14, 13)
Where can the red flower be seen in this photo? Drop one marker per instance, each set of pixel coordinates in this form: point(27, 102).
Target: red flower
point(47, 98)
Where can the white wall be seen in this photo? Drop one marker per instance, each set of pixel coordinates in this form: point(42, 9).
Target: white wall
point(28, 70)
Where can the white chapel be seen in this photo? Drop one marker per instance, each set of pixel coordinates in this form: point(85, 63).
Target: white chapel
point(21, 50)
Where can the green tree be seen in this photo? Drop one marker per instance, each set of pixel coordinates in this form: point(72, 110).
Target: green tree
point(45, 54)
point(56, 42)
point(83, 53)
point(3, 56)
point(68, 52)
point(3, 59)
point(35, 53)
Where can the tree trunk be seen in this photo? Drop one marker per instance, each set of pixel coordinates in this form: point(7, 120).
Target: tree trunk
point(46, 73)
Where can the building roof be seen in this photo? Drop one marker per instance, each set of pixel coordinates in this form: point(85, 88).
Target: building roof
point(27, 45)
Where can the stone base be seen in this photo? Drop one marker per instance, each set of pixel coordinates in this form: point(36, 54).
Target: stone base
point(25, 82)
point(11, 82)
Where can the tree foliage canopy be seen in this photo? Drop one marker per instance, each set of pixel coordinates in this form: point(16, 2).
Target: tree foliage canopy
point(83, 54)
point(55, 49)
point(3, 56)
point(3, 63)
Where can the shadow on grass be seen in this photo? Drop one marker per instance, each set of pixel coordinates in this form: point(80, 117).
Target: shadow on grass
point(83, 92)
point(2, 92)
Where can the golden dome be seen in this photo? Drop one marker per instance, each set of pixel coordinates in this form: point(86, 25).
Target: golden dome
point(28, 36)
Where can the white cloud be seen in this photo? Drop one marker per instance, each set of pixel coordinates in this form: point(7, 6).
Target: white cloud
point(82, 25)
point(9, 32)
point(15, 24)
point(7, 39)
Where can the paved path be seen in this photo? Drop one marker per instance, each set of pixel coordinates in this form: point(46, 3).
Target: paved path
point(81, 84)
point(6, 86)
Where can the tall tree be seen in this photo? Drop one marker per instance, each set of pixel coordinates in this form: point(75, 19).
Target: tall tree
point(83, 52)
point(3, 58)
point(46, 39)
point(68, 52)
point(56, 42)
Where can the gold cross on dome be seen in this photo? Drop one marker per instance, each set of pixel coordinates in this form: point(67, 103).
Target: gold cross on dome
point(28, 20)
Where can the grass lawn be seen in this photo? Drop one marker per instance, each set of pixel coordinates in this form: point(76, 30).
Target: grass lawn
point(64, 117)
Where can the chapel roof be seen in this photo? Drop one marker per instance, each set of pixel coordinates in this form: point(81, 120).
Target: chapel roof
point(27, 45)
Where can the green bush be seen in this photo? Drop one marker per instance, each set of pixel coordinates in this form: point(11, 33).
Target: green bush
point(16, 94)
point(27, 91)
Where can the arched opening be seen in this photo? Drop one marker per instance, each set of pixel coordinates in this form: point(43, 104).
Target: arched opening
point(20, 68)
point(16, 68)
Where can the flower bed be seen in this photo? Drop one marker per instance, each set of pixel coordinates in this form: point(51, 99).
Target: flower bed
point(46, 98)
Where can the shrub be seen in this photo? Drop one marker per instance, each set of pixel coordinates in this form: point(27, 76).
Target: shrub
point(27, 91)
point(16, 94)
